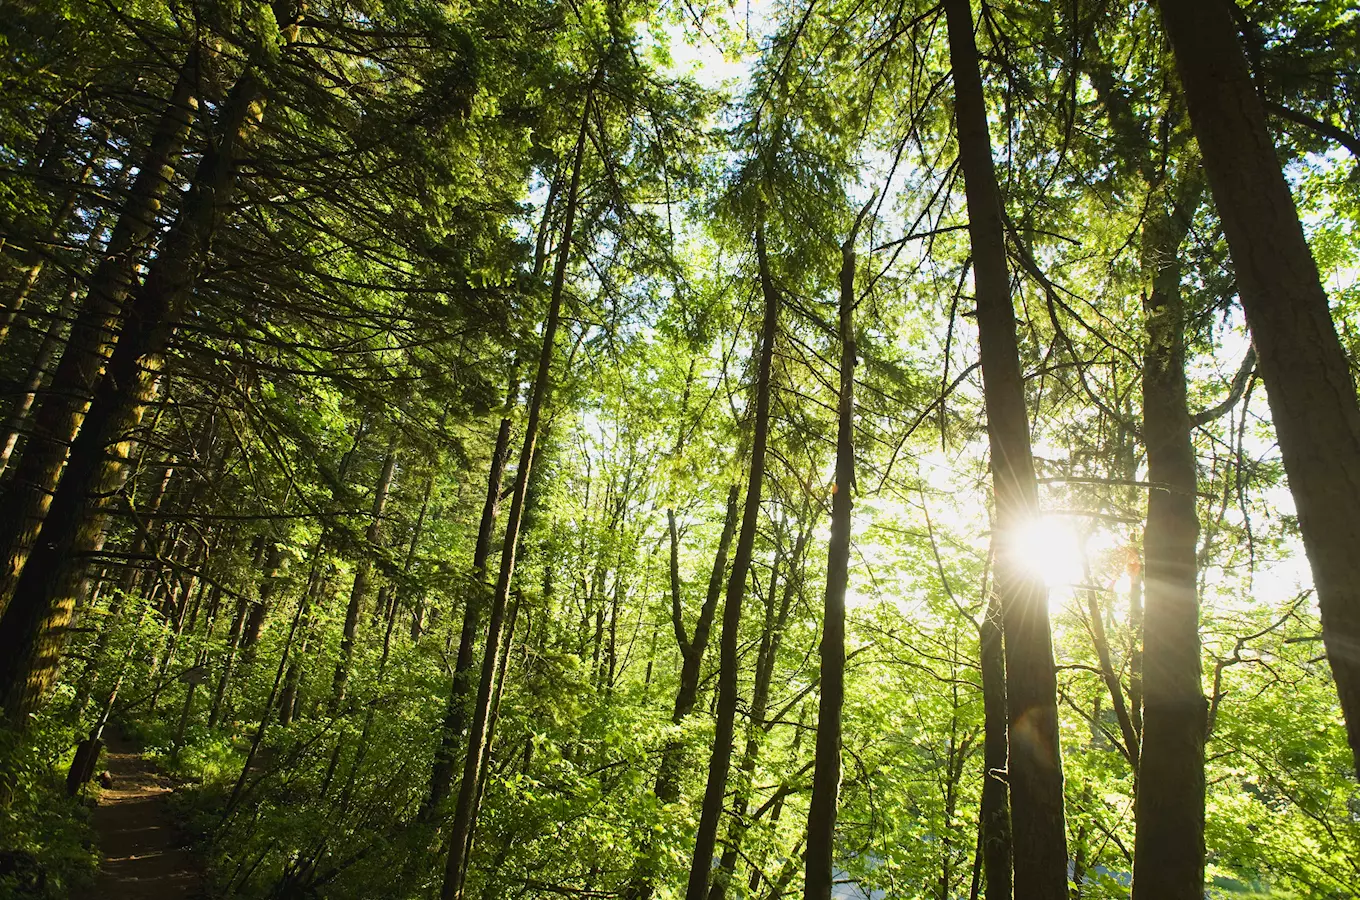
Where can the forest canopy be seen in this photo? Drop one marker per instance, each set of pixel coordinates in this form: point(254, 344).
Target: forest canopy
point(624, 449)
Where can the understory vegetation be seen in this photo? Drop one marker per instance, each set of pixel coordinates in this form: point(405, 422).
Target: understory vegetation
point(623, 449)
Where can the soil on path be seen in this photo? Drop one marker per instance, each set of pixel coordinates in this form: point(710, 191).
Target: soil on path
point(142, 852)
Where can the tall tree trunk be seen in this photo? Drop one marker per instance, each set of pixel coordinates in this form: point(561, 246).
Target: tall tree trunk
point(1307, 377)
point(53, 340)
point(262, 726)
point(1096, 617)
point(363, 574)
point(418, 613)
point(494, 717)
point(1035, 766)
point(994, 814)
point(456, 867)
point(720, 760)
point(692, 650)
point(1168, 860)
point(34, 628)
point(456, 712)
point(290, 700)
point(771, 638)
point(826, 779)
point(61, 409)
point(260, 608)
point(37, 372)
point(59, 219)
point(234, 635)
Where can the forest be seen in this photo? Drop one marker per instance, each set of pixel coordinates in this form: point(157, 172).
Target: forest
point(643, 450)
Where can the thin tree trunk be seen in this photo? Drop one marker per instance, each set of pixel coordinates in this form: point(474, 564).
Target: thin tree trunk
point(692, 649)
point(418, 613)
point(85, 686)
point(1169, 851)
point(776, 617)
point(363, 574)
point(994, 813)
point(53, 340)
point(1035, 766)
point(456, 712)
point(259, 610)
point(234, 636)
point(289, 703)
point(238, 789)
point(1096, 618)
point(494, 717)
point(777, 806)
point(1136, 650)
point(456, 867)
point(26, 284)
point(1306, 373)
point(720, 760)
point(692, 652)
point(826, 779)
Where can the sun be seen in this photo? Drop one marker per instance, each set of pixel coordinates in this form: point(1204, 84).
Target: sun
point(1048, 547)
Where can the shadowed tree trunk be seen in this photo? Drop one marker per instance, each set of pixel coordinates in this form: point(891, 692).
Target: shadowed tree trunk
point(363, 574)
point(418, 612)
point(826, 779)
point(455, 870)
point(994, 814)
point(456, 712)
point(1034, 767)
point(59, 219)
point(1168, 859)
point(290, 700)
point(47, 349)
point(692, 650)
point(771, 638)
point(234, 634)
point(35, 624)
point(720, 761)
point(1312, 397)
point(1096, 623)
point(258, 613)
point(61, 409)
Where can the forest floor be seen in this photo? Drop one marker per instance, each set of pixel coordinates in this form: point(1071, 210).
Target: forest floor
point(142, 850)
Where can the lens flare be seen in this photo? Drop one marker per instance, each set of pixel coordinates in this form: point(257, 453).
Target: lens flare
point(1050, 549)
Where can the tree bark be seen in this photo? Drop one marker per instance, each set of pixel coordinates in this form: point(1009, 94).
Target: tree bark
point(455, 868)
point(363, 575)
point(258, 613)
point(720, 760)
point(994, 813)
point(418, 613)
point(826, 780)
point(30, 278)
point(37, 372)
point(290, 700)
point(234, 634)
point(61, 410)
point(1035, 766)
point(1168, 860)
point(692, 653)
point(1096, 618)
point(456, 712)
point(1307, 377)
point(34, 628)
point(692, 650)
point(771, 638)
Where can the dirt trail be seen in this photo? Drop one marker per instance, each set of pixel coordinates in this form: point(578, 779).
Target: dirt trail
point(142, 851)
